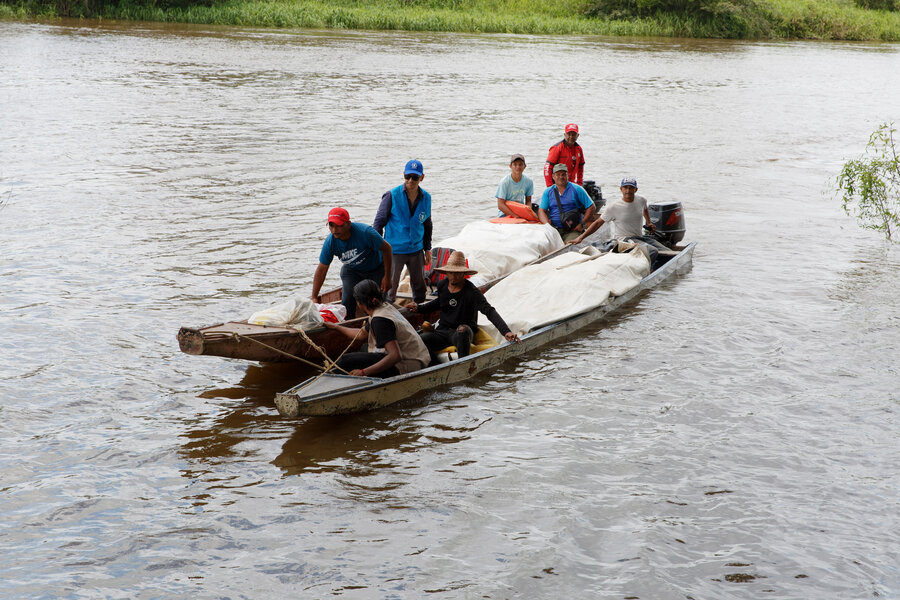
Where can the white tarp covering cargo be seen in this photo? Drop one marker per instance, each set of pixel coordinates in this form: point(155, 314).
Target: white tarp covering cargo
point(495, 249)
point(562, 287)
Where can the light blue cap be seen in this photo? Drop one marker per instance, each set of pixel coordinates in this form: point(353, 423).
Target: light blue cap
point(413, 167)
point(628, 181)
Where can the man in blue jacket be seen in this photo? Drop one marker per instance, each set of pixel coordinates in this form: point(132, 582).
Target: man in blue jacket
point(404, 218)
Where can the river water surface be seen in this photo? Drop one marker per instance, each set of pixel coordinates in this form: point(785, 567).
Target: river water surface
point(734, 434)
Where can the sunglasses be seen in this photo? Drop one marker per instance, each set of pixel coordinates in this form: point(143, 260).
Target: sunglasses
point(412, 176)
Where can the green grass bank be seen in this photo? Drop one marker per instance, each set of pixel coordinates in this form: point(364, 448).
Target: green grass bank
point(744, 19)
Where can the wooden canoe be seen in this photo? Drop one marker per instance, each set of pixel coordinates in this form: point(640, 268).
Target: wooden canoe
point(263, 343)
point(333, 394)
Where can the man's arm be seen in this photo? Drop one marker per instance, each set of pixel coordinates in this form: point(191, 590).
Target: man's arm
point(383, 213)
point(391, 358)
point(586, 203)
point(318, 280)
point(426, 240)
point(647, 219)
point(552, 159)
point(426, 307)
point(589, 213)
point(485, 308)
point(387, 257)
point(385, 333)
point(543, 217)
point(579, 169)
point(591, 229)
point(501, 206)
point(350, 332)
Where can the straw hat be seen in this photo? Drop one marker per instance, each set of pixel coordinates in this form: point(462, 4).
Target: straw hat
point(456, 264)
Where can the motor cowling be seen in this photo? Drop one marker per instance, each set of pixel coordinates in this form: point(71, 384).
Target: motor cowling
point(669, 220)
point(593, 190)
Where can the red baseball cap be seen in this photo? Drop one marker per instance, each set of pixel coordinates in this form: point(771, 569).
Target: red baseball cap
point(571, 127)
point(338, 216)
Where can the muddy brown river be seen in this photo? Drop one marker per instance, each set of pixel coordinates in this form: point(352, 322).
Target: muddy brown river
point(734, 434)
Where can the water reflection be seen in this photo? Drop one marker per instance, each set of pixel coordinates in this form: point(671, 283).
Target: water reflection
point(354, 445)
point(261, 382)
point(358, 445)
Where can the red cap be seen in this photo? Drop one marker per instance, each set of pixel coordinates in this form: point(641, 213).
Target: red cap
point(338, 216)
point(571, 127)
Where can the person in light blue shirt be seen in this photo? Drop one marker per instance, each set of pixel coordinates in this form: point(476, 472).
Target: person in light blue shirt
point(577, 207)
point(515, 187)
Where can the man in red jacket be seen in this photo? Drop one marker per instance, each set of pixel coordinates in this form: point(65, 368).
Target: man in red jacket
point(569, 153)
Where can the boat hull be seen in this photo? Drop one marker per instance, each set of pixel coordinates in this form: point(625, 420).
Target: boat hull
point(340, 394)
point(239, 339)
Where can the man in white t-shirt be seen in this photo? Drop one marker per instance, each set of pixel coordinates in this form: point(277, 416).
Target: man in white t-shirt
point(515, 187)
point(628, 214)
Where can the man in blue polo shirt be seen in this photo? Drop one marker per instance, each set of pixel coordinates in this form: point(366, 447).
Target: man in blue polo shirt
point(404, 217)
point(365, 254)
point(566, 205)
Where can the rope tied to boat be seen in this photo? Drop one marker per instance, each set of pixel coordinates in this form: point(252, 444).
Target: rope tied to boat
point(328, 363)
point(309, 341)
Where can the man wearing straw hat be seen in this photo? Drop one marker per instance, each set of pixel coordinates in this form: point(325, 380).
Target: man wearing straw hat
point(459, 302)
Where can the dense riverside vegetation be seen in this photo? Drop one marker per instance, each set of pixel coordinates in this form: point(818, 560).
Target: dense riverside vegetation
point(749, 19)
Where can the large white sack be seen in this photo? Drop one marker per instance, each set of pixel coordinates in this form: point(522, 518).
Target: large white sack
point(495, 249)
point(562, 287)
point(296, 312)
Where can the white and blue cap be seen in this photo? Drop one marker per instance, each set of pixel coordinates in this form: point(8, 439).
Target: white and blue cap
point(413, 167)
point(626, 181)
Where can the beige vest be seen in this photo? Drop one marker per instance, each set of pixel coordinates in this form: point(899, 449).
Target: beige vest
point(413, 353)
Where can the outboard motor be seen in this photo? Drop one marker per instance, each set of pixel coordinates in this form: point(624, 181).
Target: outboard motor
point(669, 221)
point(593, 190)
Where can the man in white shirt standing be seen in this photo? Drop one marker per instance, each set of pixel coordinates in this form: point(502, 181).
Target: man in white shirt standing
point(628, 214)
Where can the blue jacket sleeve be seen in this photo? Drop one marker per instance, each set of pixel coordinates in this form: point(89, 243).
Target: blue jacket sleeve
point(384, 211)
